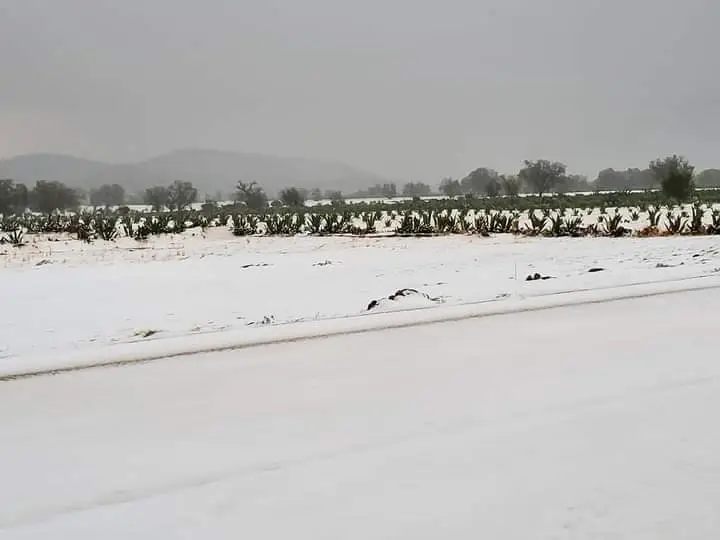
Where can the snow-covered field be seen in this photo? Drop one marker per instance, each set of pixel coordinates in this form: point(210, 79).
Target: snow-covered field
point(61, 295)
point(593, 421)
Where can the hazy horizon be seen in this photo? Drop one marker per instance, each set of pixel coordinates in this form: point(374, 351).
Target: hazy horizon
point(408, 90)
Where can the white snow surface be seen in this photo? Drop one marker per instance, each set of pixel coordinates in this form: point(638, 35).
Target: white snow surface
point(61, 296)
point(589, 421)
point(143, 351)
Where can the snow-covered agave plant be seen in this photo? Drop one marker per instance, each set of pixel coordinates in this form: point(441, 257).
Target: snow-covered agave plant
point(654, 216)
point(244, 225)
point(675, 223)
point(697, 215)
point(612, 224)
point(105, 227)
point(14, 238)
point(714, 227)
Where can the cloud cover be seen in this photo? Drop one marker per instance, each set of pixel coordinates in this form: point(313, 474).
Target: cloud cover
point(413, 89)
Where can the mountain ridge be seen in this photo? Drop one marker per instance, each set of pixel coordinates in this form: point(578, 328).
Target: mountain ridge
point(210, 170)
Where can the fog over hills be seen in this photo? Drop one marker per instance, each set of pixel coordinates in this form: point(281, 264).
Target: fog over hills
point(210, 170)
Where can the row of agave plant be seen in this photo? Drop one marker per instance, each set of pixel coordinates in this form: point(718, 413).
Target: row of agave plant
point(103, 226)
point(538, 223)
point(108, 226)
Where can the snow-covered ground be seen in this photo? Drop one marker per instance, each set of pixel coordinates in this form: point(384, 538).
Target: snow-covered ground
point(593, 421)
point(60, 295)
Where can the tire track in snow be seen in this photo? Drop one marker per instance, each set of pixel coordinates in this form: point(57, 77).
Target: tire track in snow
point(360, 324)
point(540, 418)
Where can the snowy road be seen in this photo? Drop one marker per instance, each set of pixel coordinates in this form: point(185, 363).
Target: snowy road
point(592, 421)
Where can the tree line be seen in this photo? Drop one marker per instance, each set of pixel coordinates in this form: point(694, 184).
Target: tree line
point(674, 175)
point(44, 197)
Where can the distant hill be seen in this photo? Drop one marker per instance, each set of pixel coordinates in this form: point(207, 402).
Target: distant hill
point(33, 167)
point(210, 170)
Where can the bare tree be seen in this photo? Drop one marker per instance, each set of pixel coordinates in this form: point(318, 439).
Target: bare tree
point(181, 195)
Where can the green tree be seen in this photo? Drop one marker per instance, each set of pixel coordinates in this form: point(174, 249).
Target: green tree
point(576, 183)
point(46, 197)
point(612, 180)
point(315, 194)
point(13, 197)
point(7, 196)
point(251, 195)
point(335, 197)
point(416, 189)
point(380, 191)
point(209, 206)
point(292, 197)
point(542, 175)
point(450, 187)
point(511, 185)
point(476, 183)
point(108, 195)
point(181, 195)
point(675, 176)
point(492, 188)
point(21, 198)
point(157, 197)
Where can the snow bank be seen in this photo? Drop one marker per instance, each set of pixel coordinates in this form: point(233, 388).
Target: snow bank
point(91, 296)
point(224, 341)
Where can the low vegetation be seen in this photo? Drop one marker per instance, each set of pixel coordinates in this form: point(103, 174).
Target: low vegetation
point(483, 203)
point(427, 218)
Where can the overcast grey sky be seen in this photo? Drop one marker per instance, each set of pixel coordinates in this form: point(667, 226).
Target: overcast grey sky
point(412, 89)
